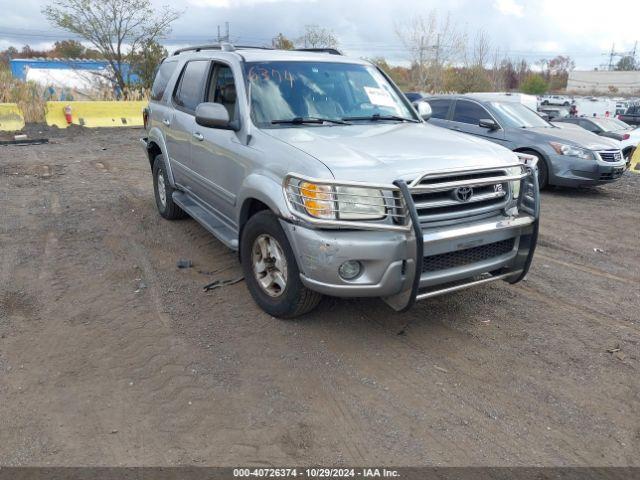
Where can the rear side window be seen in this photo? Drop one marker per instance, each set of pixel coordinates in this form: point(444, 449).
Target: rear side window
point(191, 87)
point(162, 80)
point(469, 112)
point(439, 108)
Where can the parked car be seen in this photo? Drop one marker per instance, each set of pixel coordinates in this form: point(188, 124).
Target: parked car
point(530, 101)
point(318, 170)
point(631, 116)
point(556, 100)
point(566, 157)
point(553, 113)
point(414, 96)
point(610, 128)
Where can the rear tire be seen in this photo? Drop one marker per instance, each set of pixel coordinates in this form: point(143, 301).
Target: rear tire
point(163, 192)
point(271, 271)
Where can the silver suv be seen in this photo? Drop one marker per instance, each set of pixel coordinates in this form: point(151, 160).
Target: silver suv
point(326, 180)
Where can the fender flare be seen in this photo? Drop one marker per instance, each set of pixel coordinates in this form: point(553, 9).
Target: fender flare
point(155, 136)
point(266, 189)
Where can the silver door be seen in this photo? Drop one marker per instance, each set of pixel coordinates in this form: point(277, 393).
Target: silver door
point(180, 127)
point(215, 153)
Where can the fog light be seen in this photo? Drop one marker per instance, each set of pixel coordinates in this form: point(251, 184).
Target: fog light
point(350, 269)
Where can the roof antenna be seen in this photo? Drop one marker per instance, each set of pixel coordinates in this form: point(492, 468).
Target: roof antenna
point(227, 47)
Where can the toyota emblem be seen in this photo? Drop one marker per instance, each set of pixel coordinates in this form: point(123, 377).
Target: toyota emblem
point(463, 194)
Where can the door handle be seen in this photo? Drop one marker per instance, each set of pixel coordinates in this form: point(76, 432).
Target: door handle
point(198, 136)
point(166, 121)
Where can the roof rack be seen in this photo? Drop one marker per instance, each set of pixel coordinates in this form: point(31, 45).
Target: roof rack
point(224, 46)
point(331, 51)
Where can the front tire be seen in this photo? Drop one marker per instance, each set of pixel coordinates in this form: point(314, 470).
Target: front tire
point(164, 192)
point(543, 169)
point(271, 271)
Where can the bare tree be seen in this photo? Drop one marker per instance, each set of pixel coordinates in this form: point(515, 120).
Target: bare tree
point(432, 42)
point(116, 28)
point(481, 49)
point(316, 36)
point(497, 78)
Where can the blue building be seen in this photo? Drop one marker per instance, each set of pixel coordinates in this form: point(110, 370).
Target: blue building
point(20, 66)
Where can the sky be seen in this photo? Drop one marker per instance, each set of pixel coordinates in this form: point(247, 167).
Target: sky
point(529, 29)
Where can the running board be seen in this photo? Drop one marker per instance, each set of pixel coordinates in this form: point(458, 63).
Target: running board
point(455, 288)
point(207, 219)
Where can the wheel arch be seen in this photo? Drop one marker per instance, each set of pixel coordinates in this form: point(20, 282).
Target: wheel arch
point(156, 145)
point(259, 193)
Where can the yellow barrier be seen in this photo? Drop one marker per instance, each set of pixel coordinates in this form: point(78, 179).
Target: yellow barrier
point(96, 114)
point(635, 161)
point(11, 117)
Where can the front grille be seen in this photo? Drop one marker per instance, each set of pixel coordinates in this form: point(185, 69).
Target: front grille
point(444, 261)
point(611, 155)
point(435, 204)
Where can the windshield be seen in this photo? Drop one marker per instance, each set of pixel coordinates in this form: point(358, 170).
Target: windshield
point(623, 125)
point(607, 124)
point(282, 91)
point(516, 115)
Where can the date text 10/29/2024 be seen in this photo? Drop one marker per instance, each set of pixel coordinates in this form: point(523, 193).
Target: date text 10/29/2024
point(315, 473)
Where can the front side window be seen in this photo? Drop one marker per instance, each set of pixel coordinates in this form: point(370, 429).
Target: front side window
point(190, 89)
point(469, 112)
point(222, 89)
point(335, 91)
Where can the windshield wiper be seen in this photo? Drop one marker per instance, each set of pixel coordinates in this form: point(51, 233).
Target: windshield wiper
point(302, 120)
point(377, 116)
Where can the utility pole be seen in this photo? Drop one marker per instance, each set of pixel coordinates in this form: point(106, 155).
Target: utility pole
point(226, 37)
point(421, 61)
point(437, 62)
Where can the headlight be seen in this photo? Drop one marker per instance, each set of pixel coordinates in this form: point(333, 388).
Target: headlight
point(336, 202)
point(355, 203)
point(571, 151)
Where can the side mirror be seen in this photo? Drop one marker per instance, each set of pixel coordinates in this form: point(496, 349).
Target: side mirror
point(489, 123)
point(424, 110)
point(213, 115)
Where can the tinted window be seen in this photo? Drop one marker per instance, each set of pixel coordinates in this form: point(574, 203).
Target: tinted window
point(223, 89)
point(162, 79)
point(439, 108)
point(190, 90)
point(413, 96)
point(469, 112)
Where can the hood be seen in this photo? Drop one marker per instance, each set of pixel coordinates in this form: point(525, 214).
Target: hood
point(576, 136)
point(382, 153)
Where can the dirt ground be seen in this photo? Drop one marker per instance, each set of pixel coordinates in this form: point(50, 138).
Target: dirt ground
point(111, 355)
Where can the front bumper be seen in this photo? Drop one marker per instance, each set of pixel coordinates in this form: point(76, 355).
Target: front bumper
point(575, 172)
point(386, 256)
point(422, 262)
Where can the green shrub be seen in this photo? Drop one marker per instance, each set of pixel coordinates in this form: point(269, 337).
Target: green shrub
point(534, 84)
